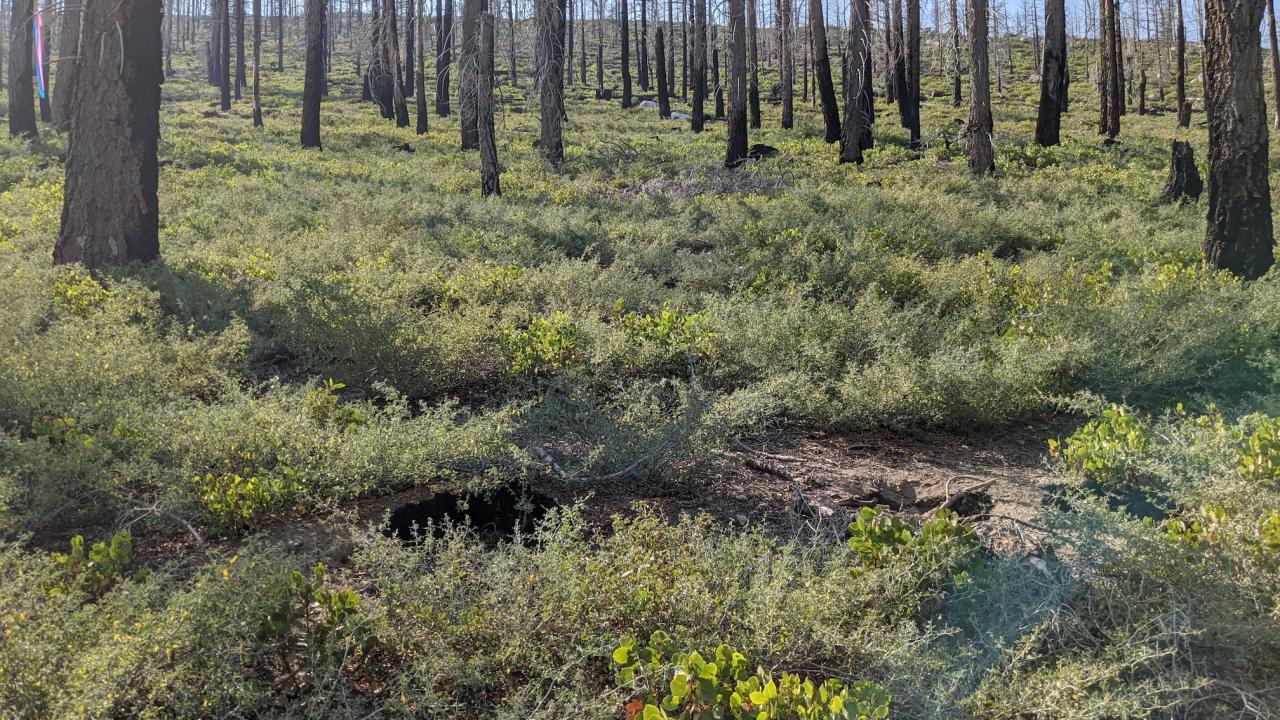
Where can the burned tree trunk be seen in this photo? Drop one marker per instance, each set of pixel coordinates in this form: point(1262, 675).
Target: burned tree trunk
point(699, 61)
point(982, 151)
point(955, 47)
point(550, 80)
point(484, 110)
point(313, 80)
point(664, 100)
point(224, 80)
point(753, 61)
point(257, 63)
point(788, 69)
point(822, 69)
point(642, 47)
point(444, 58)
point(1142, 92)
point(469, 74)
point(411, 48)
point(22, 105)
point(1275, 60)
point(1184, 179)
point(68, 49)
point(213, 54)
point(909, 104)
point(110, 210)
point(736, 153)
point(1180, 81)
point(420, 80)
point(390, 64)
point(1239, 235)
point(241, 75)
point(858, 109)
point(1111, 85)
point(1053, 74)
point(624, 25)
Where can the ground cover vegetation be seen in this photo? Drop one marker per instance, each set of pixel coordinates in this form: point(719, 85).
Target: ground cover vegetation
point(323, 328)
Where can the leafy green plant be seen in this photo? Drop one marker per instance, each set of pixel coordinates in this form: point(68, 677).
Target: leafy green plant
point(685, 685)
point(1258, 457)
point(876, 537)
point(309, 619)
point(1106, 448)
point(95, 571)
point(324, 407)
point(234, 502)
point(77, 293)
point(60, 431)
point(547, 344)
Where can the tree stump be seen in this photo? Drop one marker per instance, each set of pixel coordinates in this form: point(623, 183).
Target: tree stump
point(1184, 180)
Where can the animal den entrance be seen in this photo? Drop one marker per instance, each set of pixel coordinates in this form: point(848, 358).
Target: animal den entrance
point(498, 514)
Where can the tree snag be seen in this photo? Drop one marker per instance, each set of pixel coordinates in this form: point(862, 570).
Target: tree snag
point(664, 99)
point(699, 61)
point(420, 78)
point(550, 79)
point(1180, 80)
point(68, 49)
point(1184, 183)
point(22, 106)
point(822, 69)
point(858, 97)
point(982, 151)
point(736, 153)
point(484, 110)
point(313, 79)
point(788, 69)
point(110, 210)
point(1053, 74)
point(1239, 235)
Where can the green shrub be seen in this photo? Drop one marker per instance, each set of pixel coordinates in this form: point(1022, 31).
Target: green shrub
point(233, 502)
point(681, 684)
point(1105, 448)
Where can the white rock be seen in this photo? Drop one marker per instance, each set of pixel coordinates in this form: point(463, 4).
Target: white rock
point(680, 116)
point(648, 105)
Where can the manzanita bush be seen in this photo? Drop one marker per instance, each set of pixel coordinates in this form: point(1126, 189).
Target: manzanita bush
point(685, 685)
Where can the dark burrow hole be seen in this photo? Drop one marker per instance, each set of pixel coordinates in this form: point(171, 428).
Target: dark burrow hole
point(497, 514)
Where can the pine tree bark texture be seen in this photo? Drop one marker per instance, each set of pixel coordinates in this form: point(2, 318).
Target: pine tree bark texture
point(420, 79)
point(110, 210)
point(489, 170)
point(1180, 80)
point(444, 58)
point(1053, 74)
point(664, 99)
point(68, 49)
point(736, 153)
point(822, 71)
point(313, 77)
point(753, 61)
point(855, 136)
point(469, 74)
point(550, 79)
point(1239, 235)
point(624, 24)
point(788, 69)
point(982, 152)
point(699, 62)
point(22, 107)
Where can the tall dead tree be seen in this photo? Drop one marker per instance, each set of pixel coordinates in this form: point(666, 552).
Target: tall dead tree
point(1053, 74)
point(1111, 81)
point(1275, 60)
point(788, 69)
point(911, 117)
point(715, 72)
point(484, 110)
point(1180, 80)
point(420, 80)
point(753, 63)
point(68, 49)
point(444, 55)
point(699, 62)
point(110, 209)
point(391, 64)
point(624, 27)
point(736, 152)
point(241, 74)
point(955, 48)
point(213, 60)
point(982, 151)
point(822, 70)
point(642, 48)
point(855, 133)
point(411, 48)
point(257, 63)
point(550, 79)
point(22, 106)
point(313, 77)
point(664, 99)
point(279, 35)
point(1239, 236)
point(224, 80)
point(469, 74)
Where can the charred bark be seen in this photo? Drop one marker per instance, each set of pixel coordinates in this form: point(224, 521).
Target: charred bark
point(1239, 236)
point(788, 69)
point(550, 80)
point(664, 99)
point(753, 62)
point(68, 49)
point(859, 112)
point(1053, 74)
point(420, 80)
point(699, 62)
point(22, 106)
point(1184, 183)
point(736, 153)
point(313, 80)
point(469, 74)
point(484, 110)
point(822, 70)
